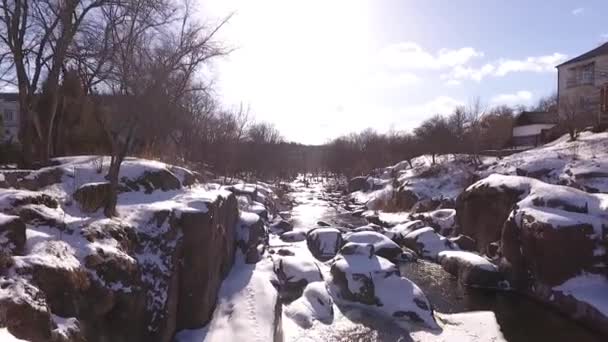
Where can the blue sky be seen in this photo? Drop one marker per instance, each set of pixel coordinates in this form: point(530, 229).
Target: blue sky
point(321, 68)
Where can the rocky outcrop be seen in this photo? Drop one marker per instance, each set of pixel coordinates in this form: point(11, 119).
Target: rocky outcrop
point(160, 179)
point(23, 311)
point(12, 234)
point(92, 196)
point(208, 248)
point(358, 184)
point(405, 198)
point(483, 208)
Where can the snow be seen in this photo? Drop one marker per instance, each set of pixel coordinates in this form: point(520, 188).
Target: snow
point(431, 242)
point(469, 258)
point(6, 336)
point(245, 309)
point(463, 327)
point(589, 288)
point(65, 325)
point(378, 240)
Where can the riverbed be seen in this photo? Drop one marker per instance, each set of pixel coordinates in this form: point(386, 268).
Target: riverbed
point(520, 319)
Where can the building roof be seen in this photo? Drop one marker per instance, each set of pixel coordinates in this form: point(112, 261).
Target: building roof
point(533, 118)
point(11, 97)
point(599, 51)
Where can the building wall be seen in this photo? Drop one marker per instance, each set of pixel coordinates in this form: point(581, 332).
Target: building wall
point(527, 130)
point(10, 120)
point(590, 92)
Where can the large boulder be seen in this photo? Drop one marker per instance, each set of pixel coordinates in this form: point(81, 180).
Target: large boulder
point(374, 281)
point(483, 207)
point(314, 305)
point(294, 274)
point(383, 246)
point(471, 269)
point(427, 243)
point(151, 180)
point(324, 243)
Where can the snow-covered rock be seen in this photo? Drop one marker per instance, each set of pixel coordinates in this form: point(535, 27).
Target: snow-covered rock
point(427, 243)
point(294, 236)
point(159, 263)
point(375, 282)
point(471, 269)
point(294, 274)
point(383, 246)
point(251, 236)
point(315, 305)
point(324, 243)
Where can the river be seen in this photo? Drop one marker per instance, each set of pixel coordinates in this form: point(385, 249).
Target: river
point(520, 318)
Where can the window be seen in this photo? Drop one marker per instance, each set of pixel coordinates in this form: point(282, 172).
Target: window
point(582, 75)
point(587, 73)
point(9, 115)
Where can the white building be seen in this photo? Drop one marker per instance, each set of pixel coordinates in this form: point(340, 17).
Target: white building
point(9, 110)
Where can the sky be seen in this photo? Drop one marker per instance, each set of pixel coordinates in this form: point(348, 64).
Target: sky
point(318, 69)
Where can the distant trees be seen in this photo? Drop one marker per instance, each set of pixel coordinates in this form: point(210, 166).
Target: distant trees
point(468, 129)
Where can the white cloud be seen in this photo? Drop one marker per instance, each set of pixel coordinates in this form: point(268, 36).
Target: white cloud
point(503, 67)
point(533, 64)
point(578, 11)
point(519, 97)
point(409, 55)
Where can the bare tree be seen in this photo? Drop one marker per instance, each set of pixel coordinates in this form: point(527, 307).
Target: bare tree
point(574, 114)
point(150, 74)
point(37, 35)
point(474, 115)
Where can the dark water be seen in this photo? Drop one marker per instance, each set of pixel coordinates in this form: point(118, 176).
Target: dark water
point(520, 319)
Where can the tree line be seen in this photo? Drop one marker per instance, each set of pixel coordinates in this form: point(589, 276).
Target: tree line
point(469, 129)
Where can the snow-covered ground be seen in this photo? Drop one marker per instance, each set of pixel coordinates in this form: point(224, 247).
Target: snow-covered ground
point(320, 313)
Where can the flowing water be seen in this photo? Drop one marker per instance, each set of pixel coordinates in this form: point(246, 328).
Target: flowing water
point(520, 319)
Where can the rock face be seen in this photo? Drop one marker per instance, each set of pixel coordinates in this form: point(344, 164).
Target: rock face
point(138, 277)
point(405, 199)
point(92, 196)
point(482, 209)
point(12, 229)
point(23, 311)
point(358, 184)
point(324, 243)
point(208, 248)
point(552, 235)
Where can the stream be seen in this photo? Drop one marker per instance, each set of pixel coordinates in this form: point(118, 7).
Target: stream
point(520, 318)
